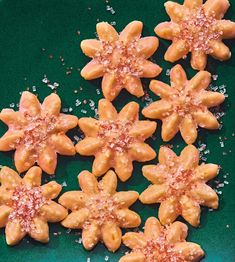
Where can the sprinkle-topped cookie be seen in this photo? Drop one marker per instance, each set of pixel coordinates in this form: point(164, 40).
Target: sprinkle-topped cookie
point(161, 244)
point(198, 29)
point(121, 59)
point(184, 105)
point(99, 210)
point(116, 139)
point(179, 185)
point(37, 132)
point(26, 206)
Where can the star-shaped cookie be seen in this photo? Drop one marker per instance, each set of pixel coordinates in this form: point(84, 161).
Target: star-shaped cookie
point(116, 139)
point(184, 105)
point(179, 185)
point(99, 210)
point(198, 29)
point(121, 59)
point(37, 132)
point(161, 244)
point(26, 207)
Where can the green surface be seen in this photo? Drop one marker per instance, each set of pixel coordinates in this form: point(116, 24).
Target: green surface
point(27, 26)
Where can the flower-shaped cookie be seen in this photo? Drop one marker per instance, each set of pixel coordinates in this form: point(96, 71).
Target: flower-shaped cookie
point(161, 244)
point(197, 28)
point(179, 184)
point(37, 132)
point(116, 139)
point(26, 206)
point(184, 106)
point(121, 59)
point(99, 210)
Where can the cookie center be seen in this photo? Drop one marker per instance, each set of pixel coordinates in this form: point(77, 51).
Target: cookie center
point(116, 134)
point(198, 29)
point(120, 59)
point(26, 204)
point(158, 250)
point(178, 179)
point(185, 103)
point(38, 130)
point(102, 208)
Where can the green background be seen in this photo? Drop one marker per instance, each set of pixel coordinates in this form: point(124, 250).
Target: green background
point(33, 37)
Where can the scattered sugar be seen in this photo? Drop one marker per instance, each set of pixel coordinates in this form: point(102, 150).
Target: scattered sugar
point(84, 111)
point(78, 102)
point(221, 144)
point(79, 241)
point(49, 84)
point(214, 77)
point(110, 9)
point(68, 231)
point(64, 184)
point(65, 110)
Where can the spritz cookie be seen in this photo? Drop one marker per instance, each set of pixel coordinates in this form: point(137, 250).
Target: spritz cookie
point(184, 105)
point(121, 59)
point(161, 244)
point(116, 139)
point(26, 207)
point(37, 132)
point(198, 29)
point(99, 210)
point(179, 185)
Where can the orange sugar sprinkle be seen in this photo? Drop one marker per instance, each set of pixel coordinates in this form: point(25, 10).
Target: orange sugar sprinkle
point(198, 29)
point(116, 134)
point(26, 204)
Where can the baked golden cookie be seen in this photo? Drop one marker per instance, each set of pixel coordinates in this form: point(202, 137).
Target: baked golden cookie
point(198, 29)
point(184, 105)
point(37, 132)
point(121, 59)
point(26, 207)
point(116, 139)
point(99, 210)
point(161, 244)
point(179, 185)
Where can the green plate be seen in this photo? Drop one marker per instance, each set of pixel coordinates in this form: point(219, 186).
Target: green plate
point(42, 37)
